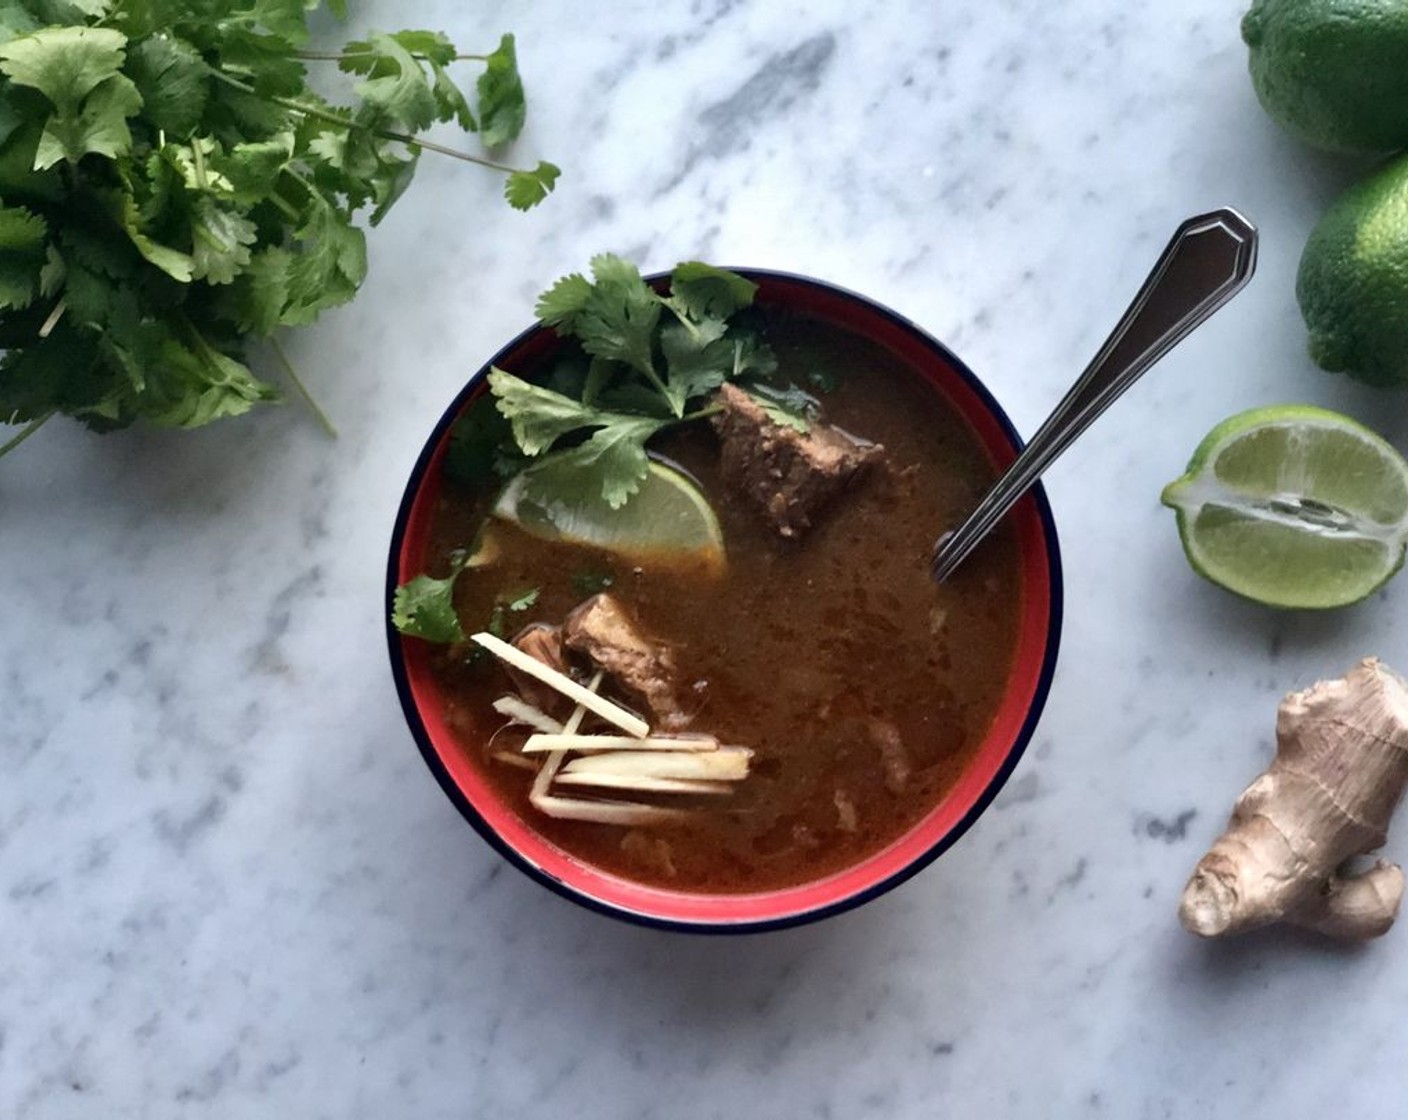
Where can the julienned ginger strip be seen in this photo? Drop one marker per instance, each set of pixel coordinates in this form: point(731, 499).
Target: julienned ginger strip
point(612, 713)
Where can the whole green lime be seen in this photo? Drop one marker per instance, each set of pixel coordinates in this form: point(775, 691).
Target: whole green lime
point(1334, 72)
point(1353, 280)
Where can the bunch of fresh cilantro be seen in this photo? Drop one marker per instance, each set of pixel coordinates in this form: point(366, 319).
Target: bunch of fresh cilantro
point(647, 361)
point(171, 186)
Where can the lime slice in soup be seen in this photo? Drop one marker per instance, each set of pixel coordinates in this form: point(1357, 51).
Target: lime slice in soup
point(1293, 506)
point(668, 520)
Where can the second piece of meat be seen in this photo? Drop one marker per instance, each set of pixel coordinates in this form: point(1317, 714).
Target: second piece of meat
point(602, 629)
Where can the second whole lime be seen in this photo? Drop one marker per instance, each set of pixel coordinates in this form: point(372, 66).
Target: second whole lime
point(1333, 72)
point(1352, 285)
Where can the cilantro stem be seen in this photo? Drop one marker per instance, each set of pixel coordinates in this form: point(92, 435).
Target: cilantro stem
point(199, 161)
point(340, 56)
point(24, 433)
point(655, 380)
point(284, 206)
point(702, 413)
point(684, 320)
point(318, 113)
point(54, 316)
point(301, 389)
point(441, 149)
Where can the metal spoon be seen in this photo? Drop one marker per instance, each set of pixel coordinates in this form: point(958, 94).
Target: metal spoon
point(1209, 260)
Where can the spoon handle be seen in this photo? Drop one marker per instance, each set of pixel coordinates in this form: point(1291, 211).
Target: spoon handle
point(1209, 260)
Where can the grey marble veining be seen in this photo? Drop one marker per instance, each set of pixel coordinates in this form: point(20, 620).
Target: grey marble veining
point(228, 886)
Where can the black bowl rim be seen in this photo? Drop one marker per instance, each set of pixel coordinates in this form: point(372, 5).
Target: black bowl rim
point(850, 902)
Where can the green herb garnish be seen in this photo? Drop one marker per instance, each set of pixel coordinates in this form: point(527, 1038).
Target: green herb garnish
point(424, 607)
point(170, 186)
point(520, 600)
point(516, 601)
point(786, 405)
point(651, 358)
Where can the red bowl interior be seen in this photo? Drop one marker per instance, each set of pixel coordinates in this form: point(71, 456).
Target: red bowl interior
point(1012, 727)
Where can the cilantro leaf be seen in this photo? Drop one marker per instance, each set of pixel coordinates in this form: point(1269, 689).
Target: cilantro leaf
point(329, 263)
point(253, 169)
point(539, 415)
point(65, 64)
point(22, 256)
point(286, 20)
point(173, 262)
point(752, 357)
point(698, 360)
point(91, 240)
point(525, 189)
point(191, 388)
point(617, 453)
point(100, 127)
point(72, 11)
point(522, 600)
point(424, 607)
point(221, 242)
point(450, 101)
point(636, 397)
point(562, 304)
point(620, 315)
point(505, 602)
point(481, 448)
point(173, 80)
point(613, 462)
point(87, 296)
point(60, 371)
point(15, 21)
point(502, 107)
point(788, 405)
point(702, 291)
point(261, 290)
point(395, 88)
point(430, 46)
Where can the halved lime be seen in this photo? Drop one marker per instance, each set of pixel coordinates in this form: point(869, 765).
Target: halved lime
point(1293, 506)
point(668, 520)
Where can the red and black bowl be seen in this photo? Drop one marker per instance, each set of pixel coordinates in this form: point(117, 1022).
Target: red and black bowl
point(1029, 680)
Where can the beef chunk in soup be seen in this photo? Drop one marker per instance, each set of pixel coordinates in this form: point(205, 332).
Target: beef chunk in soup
point(544, 643)
point(790, 476)
point(602, 629)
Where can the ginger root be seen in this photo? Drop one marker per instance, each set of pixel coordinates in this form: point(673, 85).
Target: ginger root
point(1340, 768)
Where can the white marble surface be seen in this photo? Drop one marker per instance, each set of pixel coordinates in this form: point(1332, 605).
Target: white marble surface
point(228, 885)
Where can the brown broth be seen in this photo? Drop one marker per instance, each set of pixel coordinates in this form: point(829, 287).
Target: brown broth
point(798, 648)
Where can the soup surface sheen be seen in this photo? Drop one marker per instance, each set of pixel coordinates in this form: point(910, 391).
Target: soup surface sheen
point(819, 655)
